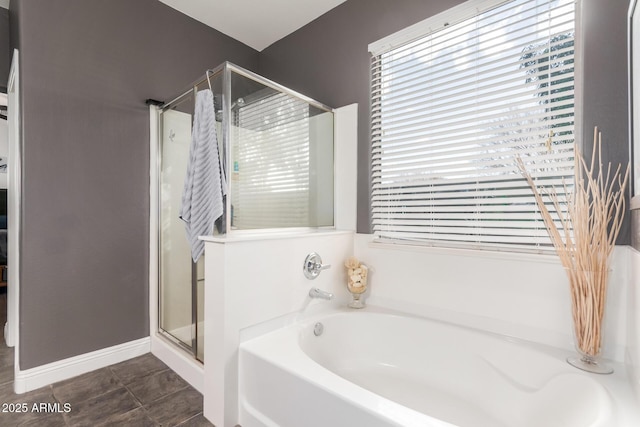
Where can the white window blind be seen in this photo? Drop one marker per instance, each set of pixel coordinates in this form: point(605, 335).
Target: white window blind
point(452, 109)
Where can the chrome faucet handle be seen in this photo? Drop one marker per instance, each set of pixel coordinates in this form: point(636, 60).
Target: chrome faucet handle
point(319, 266)
point(313, 266)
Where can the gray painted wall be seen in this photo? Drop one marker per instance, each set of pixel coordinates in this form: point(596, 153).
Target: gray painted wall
point(86, 69)
point(5, 51)
point(328, 60)
point(14, 25)
point(605, 90)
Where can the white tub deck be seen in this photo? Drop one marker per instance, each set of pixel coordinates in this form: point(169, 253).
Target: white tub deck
point(377, 368)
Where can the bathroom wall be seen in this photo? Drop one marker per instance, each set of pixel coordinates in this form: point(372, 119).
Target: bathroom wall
point(328, 60)
point(86, 70)
point(14, 26)
point(605, 92)
point(84, 79)
point(5, 51)
point(525, 296)
point(250, 281)
point(520, 295)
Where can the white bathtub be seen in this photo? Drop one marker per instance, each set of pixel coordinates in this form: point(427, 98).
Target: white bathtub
point(374, 368)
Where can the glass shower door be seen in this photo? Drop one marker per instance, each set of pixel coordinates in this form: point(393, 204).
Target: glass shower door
point(178, 293)
point(277, 152)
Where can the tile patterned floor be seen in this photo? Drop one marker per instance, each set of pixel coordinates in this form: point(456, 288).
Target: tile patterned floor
point(138, 392)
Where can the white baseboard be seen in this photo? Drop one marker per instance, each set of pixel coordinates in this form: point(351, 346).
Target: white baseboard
point(179, 361)
point(61, 370)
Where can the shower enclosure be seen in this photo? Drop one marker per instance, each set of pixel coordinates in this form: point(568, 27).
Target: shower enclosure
point(276, 147)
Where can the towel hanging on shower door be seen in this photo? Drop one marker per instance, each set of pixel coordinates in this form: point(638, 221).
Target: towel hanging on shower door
point(202, 197)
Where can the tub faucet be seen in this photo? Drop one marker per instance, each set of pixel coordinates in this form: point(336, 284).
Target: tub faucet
point(313, 266)
point(319, 293)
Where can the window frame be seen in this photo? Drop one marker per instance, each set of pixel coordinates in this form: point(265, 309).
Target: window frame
point(452, 16)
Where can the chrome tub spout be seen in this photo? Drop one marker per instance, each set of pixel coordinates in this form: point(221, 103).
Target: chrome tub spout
point(319, 293)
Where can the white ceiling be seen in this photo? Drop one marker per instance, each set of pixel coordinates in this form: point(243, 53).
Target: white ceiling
point(256, 23)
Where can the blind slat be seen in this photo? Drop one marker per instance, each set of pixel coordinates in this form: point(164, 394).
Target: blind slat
point(452, 109)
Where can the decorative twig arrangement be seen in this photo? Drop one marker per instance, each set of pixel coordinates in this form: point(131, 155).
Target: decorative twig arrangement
point(584, 237)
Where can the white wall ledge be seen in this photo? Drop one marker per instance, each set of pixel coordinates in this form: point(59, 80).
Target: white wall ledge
point(271, 235)
point(474, 253)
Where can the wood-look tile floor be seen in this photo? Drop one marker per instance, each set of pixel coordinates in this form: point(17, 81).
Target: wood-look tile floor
point(138, 392)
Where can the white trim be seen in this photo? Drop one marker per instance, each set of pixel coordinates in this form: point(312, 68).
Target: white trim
point(634, 103)
point(345, 150)
point(271, 235)
point(432, 24)
point(14, 186)
point(34, 378)
point(464, 249)
point(402, 245)
point(153, 219)
point(179, 361)
point(405, 178)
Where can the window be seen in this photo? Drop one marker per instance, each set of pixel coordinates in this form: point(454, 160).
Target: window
point(452, 107)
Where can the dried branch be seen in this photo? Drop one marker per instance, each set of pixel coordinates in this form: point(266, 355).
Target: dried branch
point(589, 226)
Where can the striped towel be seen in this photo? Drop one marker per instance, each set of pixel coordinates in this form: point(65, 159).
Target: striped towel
point(202, 202)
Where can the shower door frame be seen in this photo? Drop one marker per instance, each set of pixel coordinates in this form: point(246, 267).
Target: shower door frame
point(193, 349)
point(162, 346)
point(226, 68)
point(175, 361)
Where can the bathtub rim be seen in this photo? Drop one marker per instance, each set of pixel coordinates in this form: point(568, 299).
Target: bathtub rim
point(618, 385)
point(318, 375)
